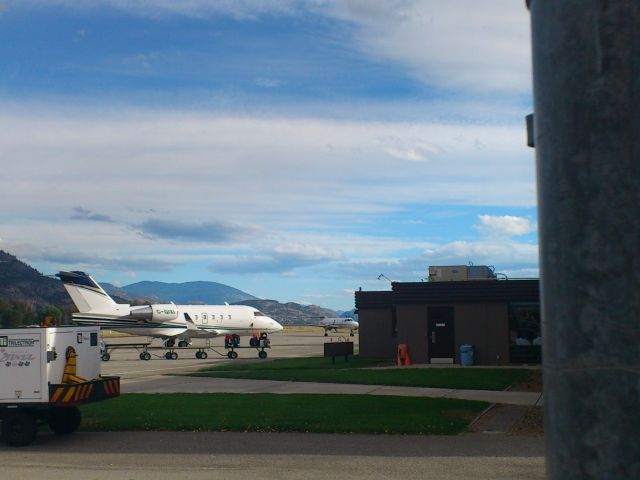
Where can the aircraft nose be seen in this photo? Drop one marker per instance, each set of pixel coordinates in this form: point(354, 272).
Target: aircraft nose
point(273, 326)
point(277, 326)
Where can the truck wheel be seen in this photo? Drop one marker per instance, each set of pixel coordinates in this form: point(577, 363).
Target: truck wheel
point(19, 429)
point(64, 420)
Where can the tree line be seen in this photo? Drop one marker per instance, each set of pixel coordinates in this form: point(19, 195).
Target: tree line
point(16, 314)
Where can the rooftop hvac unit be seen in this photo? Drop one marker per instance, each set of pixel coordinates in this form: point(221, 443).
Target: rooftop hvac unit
point(458, 273)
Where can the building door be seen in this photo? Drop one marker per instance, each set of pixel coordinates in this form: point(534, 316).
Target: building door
point(441, 340)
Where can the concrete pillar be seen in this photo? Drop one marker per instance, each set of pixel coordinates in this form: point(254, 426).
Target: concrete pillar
point(586, 59)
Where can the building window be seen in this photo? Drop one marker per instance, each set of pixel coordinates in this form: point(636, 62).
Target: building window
point(525, 333)
point(524, 324)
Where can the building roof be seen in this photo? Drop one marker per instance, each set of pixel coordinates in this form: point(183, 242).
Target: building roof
point(479, 291)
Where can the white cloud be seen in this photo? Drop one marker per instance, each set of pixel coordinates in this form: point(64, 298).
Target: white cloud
point(207, 168)
point(505, 225)
point(501, 254)
point(473, 45)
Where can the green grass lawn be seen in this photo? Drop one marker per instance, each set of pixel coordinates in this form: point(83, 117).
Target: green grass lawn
point(317, 369)
point(281, 413)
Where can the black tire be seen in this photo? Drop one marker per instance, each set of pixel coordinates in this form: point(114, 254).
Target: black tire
point(174, 356)
point(19, 428)
point(64, 420)
point(262, 354)
point(229, 354)
point(141, 356)
point(105, 357)
point(167, 355)
point(203, 355)
point(234, 355)
point(147, 356)
point(198, 354)
point(326, 334)
point(352, 334)
point(183, 343)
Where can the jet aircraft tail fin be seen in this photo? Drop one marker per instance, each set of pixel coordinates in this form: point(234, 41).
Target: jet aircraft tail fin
point(85, 292)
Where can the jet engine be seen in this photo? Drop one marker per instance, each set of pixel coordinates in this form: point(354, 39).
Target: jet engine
point(155, 313)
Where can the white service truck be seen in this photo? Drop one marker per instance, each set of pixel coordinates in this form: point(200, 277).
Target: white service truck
point(45, 374)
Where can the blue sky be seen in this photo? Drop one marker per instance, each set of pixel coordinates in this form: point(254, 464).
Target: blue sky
point(292, 149)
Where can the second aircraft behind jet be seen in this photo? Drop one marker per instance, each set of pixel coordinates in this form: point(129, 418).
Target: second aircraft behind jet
point(168, 321)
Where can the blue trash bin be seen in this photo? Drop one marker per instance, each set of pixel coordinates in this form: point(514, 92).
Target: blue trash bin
point(466, 354)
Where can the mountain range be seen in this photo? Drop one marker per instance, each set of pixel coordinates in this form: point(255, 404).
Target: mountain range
point(19, 281)
point(210, 293)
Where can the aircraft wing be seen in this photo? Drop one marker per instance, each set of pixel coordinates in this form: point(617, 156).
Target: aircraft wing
point(168, 332)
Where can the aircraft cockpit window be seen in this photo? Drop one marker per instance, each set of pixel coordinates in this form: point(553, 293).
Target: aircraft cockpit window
point(259, 314)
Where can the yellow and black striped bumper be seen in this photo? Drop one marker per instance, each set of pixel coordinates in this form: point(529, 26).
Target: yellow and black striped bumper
point(91, 391)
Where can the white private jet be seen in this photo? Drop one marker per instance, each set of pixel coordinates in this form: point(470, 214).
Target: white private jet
point(335, 323)
point(168, 321)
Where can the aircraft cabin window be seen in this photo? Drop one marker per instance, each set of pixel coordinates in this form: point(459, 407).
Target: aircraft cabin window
point(221, 317)
point(196, 317)
point(229, 317)
point(204, 318)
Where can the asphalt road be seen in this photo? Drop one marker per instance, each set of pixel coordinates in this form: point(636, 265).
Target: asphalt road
point(231, 455)
point(127, 364)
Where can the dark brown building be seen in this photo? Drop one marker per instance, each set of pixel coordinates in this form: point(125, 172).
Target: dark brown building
point(500, 318)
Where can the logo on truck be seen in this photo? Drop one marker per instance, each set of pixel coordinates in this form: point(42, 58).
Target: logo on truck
point(11, 358)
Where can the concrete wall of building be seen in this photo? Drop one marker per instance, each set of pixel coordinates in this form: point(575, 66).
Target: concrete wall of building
point(486, 327)
point(376, 333)
point(412, 330)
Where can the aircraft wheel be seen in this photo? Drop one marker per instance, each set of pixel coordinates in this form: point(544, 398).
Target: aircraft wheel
point(229, 354)
point(167, 355)
point(174, 356)
point(64, 420)
point(105, 357)
point(19, 428)
point(198, 354)
point(262, 354)
point(146, 356)
point(326, 334)
point(203, 355)
point(183, 343)
point(141, 356)
point(233, 355)
point(351, 334)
